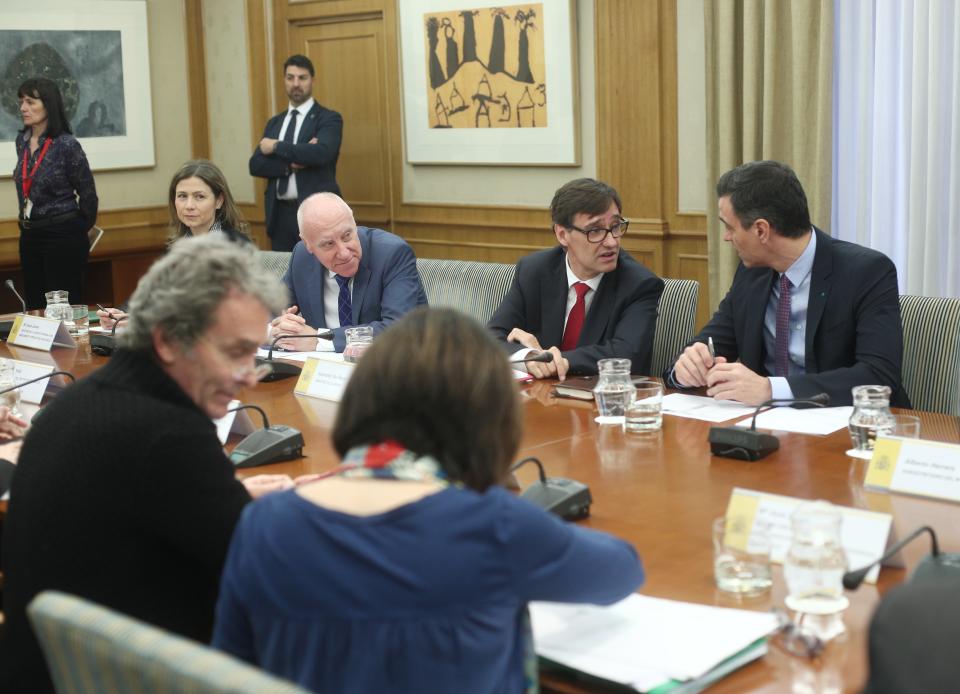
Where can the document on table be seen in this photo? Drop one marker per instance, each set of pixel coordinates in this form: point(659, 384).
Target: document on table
point(300, 357)
point(707, 409)
point(814, 420)
point(645, 642)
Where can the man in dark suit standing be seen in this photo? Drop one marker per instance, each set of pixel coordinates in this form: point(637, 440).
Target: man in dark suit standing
point(297, 154)
point(586, 299)
point(806, 313)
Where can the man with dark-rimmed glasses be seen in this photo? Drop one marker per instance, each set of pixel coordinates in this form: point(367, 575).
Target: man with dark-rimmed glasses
point(585, 300)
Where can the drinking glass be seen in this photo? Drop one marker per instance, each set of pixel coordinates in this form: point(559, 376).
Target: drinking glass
point(741, 556)
point(81, 320)
point(905, 425)
point(7, 379)
point(359, 340)
point(645, 412)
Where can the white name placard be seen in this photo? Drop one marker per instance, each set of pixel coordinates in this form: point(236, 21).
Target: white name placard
point(324, 376)
point(915, 466)
point(37, 332)
point(864, 534)
point(237, 422)
point(24, 371)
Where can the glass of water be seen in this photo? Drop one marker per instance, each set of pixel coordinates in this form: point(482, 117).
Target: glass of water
point(8, 379)
point(81, 320)
point(645, 412)
point(816, 560)
point(741, 556)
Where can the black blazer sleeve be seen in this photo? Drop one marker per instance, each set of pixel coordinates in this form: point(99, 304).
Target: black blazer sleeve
point(269, 166)
point(328, 133)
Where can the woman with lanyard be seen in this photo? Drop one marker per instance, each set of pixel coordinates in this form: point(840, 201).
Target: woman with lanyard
point(57, 195)
point(408, 568)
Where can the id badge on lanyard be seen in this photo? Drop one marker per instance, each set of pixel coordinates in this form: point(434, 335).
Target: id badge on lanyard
point(28, 179)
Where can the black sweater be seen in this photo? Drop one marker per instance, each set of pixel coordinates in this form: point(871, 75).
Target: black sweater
point(123, 496)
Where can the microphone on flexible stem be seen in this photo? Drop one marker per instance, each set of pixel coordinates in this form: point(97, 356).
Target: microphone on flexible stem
point(281, 369)
point(542, 357)
point(564, 497)
point(749, 444)
point(271, 444)
point(13, 289)
point(853, 579)
point(7, 325)
point(38, 378)
point(105, 344)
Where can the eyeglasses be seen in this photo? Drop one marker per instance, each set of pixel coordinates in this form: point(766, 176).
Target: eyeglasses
point(795, 639)
point(239, 373)
point(599, 234)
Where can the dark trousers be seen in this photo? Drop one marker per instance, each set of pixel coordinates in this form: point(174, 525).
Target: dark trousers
point(284, 232)
point(54, 257)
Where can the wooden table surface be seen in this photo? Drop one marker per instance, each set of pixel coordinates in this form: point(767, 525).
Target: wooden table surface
point(661, 491)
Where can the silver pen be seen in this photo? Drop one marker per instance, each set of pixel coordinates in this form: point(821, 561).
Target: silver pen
point(713, 352)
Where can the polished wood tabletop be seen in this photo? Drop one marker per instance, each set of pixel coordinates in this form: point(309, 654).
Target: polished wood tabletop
point(660, 492)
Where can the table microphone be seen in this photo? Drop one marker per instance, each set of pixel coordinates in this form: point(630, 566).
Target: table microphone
point(104, 345)
point(750, 444)
point(933, 565)
point(542, 357)
point(13, 289)
point(564, 497)
point(7, 325)
point(38, 378)
point(282, 369)
point(271, 444)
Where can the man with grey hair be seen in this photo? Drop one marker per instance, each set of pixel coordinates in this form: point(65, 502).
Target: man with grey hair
point(342, 275)
point(122, 493)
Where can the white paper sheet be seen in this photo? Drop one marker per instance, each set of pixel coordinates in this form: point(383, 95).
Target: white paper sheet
point(642, 641)
point(299, 357)
point(815, 420)
point(706, 409)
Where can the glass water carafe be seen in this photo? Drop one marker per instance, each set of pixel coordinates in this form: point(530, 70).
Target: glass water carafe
point(614, 390)
point(871, 414)
point(816, 561)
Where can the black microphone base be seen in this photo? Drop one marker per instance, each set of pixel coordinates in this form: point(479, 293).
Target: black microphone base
point(102, 344)
point(5, 327)
point(944, 565)
point(741, 444)
point(280, 369)
point(568, 499)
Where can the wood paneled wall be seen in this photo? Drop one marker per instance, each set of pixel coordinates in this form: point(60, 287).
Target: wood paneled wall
point(635, 91)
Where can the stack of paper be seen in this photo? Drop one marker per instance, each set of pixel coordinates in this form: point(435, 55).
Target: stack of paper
point(649, 643)
point(707, 409)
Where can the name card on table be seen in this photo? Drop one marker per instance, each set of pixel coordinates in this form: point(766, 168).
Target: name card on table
point(37, 332)
point(324, 376)
point(864, 534)
point(24, 371)
point(237, 422)
point(915, 466)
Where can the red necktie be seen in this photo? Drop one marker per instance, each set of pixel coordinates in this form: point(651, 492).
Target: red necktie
point(782, 345)
point(571, 334)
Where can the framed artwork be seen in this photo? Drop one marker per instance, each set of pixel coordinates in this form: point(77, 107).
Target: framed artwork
point(96, 52)
point(489, 84)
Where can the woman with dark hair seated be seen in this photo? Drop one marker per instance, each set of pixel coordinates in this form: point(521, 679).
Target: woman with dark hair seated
point(200, 203)
point(408, 567)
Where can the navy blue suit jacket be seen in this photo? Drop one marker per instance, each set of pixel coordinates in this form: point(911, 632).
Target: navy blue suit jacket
point(319, 160)
point(854, 334)
point(386, 286)
point(620, 322)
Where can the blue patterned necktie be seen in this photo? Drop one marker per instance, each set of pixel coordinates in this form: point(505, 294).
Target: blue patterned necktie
point(782, 344)
point(344, 305)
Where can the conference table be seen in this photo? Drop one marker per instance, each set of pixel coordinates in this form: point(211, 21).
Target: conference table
point(661, 491)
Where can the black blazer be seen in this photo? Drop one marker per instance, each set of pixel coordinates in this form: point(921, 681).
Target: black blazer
point(319, 160)
point(854, 334)
point(620, 322)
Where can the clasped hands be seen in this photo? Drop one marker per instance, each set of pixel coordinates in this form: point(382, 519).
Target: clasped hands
point(724, 380)
point(290, 322)
point(557, 368)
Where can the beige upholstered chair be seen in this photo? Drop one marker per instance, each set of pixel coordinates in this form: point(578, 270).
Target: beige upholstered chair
point(675, 322)
point(93, 650)
point(931, 353)
point(474, 288)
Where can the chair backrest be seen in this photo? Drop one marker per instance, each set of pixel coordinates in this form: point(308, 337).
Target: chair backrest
point(93, 650)
point(474, 288)
point(931, 352)
point(677, 316)
point(274, 261)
